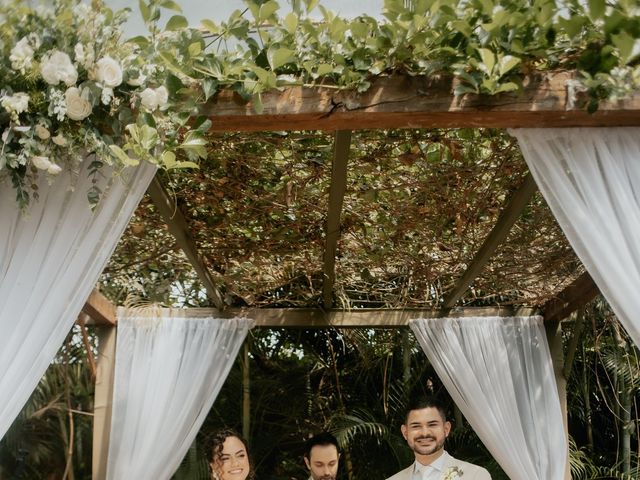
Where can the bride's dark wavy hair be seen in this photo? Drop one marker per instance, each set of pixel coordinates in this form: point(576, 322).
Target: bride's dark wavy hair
point(214, 444)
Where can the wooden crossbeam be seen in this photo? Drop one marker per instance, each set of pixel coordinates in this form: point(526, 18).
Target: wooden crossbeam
point(336, 197)
point(418, 102)
point(508, 217)
point(100, 310)
point(179, 228)
point(359, 318)
point(576, 295)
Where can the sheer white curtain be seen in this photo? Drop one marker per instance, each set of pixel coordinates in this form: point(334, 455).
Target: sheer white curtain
point(50, 259)
point(590, 177)
point(498, 371)
point(169, 370)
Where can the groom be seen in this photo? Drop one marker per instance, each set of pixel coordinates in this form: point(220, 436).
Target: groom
point(425, 430)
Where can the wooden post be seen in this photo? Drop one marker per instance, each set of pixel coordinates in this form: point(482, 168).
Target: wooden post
point(246, 393)
point(554, 339)
point(103, 400)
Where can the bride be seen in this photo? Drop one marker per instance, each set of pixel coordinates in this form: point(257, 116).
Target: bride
point(230, 457)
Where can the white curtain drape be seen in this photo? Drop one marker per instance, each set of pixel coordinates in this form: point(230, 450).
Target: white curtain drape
point(590, 177)
point(50, 258)
point(498, 370)
point(169, 370)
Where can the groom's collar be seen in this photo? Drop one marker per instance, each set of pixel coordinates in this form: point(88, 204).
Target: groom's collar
point(438, 464)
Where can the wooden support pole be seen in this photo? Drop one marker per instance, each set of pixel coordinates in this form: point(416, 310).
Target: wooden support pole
point(554, 339)
point(103, 400)
point(508, 217)
point(336, 198)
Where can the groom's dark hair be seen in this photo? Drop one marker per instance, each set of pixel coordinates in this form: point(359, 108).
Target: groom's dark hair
point(323, 438)
point(419, 403)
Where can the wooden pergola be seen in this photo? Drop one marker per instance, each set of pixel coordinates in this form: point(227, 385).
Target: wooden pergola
point(391, 102)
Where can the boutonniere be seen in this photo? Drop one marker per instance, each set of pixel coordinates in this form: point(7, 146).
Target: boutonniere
point(452, 473)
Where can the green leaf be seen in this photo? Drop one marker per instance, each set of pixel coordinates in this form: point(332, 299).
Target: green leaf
point(144, 10)
point(597, 8)
point(267, 10)
point(148, 137)
point(507, 63)
point(488, 60)
point(168, 159)
point(291, 22)
point(141, 41)
point(624, 43)
point(211, 26)
point(256, 102)
point(177, 22)
point(195, 49)
point(179, 165)
point(171, 5)
point(279, 56)
point(311, 4)
point(122, 156)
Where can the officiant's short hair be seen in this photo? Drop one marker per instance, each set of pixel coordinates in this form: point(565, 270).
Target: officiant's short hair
point(418, 403)
point(322, 439)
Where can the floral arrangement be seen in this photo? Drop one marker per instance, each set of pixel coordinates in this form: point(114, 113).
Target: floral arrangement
point(72, 86)
point(452, 473)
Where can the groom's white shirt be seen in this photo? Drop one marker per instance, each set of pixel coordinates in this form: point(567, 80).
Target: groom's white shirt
point(439, 467)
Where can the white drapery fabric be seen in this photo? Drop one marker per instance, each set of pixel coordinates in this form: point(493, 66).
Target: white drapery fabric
point(50, 259)
point(498, 370)
point(169, 370)
point(590, 177)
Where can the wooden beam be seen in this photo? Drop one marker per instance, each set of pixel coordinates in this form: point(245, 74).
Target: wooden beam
point(508, 217)
point(336, 196)
point(103, 401)
point(360, 318)
point(99, 309)
point(179, 228)
point(420, 102)
point(575, 296)
point(553, 332)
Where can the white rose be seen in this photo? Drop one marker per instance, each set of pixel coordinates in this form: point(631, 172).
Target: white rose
point(56, 66)
point(149, 99)
point(162, 96)
point(109, 72)
point(41, 163)
point(59, 140)
point(42, 132)
point(78, 105)
point(21, 55)
point(54, 169)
